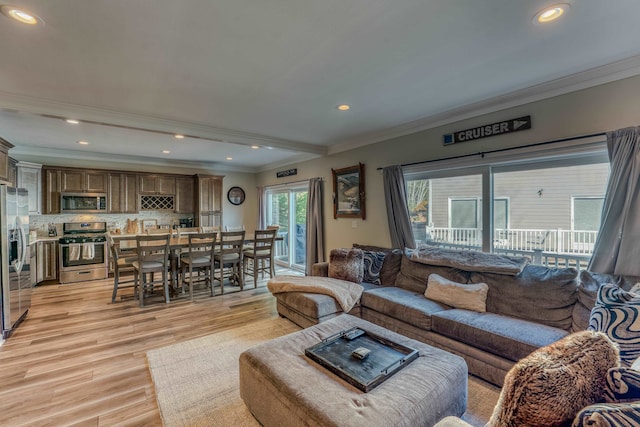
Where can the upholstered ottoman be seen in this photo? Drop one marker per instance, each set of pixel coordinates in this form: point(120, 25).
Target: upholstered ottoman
point(283, 387)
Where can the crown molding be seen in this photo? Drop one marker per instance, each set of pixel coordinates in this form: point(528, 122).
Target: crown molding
point(619, 70)
point(134, 163)
point(107, 117)
point(284, 163)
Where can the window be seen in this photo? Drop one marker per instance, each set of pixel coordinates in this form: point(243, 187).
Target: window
point(586, 213)
point(464, 213)
point(287, 207)
point(538, 208)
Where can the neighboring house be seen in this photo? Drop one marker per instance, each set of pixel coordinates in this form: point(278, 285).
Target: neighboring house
point(556, 209)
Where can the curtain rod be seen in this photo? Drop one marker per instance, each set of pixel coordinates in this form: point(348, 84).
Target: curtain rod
point(499, 150)
point(294, 182)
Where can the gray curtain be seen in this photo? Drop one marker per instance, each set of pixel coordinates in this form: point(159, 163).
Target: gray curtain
point(262, 212)
point(395, 196)
point(315, 224)
point(616, 250)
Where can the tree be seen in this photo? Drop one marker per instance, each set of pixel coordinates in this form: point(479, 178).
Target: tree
point(418, 199)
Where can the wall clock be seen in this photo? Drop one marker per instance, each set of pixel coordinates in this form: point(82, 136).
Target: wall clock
point(235, 196)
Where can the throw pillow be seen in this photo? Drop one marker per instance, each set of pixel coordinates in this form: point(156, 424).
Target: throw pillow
point(617, 313)
point(469, 297)
point(372, 266)
point(550, 386)
point(346, 264)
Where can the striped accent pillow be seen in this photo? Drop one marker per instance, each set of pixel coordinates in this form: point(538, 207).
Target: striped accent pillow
point(617, 314)
point(372, 266)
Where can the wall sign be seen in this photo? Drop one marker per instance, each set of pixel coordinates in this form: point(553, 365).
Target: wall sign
point(288, 172)
point(506, 126)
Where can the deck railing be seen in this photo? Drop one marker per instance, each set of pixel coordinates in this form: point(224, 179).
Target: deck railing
point(552, 247)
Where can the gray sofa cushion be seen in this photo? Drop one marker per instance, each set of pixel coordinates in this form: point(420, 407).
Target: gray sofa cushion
point(403, 305)
point(589, 284)
point(540, 294)
point(501, 335)
point(413, 275)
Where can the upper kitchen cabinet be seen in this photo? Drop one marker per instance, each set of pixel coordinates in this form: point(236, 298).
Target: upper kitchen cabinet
point(185, 190)
point(30, 178)
point(157, 184)
point(5, 146)
point(51, 190)
point(122, 193)
point(83, 181)
point(209, 200)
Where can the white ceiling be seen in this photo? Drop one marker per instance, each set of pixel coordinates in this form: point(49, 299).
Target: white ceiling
point(236, 73)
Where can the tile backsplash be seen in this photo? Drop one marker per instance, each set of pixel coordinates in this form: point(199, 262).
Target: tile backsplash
point(40, 223)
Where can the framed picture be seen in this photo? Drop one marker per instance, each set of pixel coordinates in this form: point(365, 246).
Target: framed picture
point(348, 192)
point(149, 223)
point(236, 196)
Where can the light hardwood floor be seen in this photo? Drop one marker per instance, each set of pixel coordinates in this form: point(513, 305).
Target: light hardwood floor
point(80, 360)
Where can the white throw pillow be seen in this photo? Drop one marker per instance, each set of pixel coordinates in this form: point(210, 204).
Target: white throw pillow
point(471, 296)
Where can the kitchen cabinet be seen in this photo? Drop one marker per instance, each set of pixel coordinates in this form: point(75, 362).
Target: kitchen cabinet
point(185, 200)
point(157, 184)
point(122, 193)
point(5, 146)
point(83, 181)
point(30, 178)
point(13, 172)
point(209, 200)
point(47, 260)
point(51, 187)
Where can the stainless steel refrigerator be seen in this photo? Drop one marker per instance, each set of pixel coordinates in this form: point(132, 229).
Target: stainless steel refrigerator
point(15, 260)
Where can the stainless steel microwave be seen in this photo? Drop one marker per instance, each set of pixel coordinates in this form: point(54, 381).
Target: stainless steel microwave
point(83, 202)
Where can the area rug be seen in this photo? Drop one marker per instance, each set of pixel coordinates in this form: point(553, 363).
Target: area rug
point(196, 381)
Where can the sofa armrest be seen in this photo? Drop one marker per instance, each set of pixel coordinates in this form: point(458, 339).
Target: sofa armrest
point(320, 269)
point(452, 422)
point(608, 415)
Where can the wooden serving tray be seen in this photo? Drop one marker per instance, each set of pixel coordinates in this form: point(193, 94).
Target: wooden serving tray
point(385, 358)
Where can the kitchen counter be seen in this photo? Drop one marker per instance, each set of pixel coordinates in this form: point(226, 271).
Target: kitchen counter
point(44, 239)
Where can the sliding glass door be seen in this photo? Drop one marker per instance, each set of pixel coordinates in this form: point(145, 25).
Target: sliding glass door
point(287, 208)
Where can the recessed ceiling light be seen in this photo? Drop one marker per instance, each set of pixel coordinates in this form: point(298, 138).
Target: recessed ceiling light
point(229, 158)
point(83, 143)
point(343, 107)
point(178, 136)
point(20, 15)
point(73, 121)
point(551, 13)
point(166, 151)
point(269, 148)
point(255, 147)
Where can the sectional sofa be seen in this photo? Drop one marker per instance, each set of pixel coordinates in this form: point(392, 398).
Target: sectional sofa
point(525, 309)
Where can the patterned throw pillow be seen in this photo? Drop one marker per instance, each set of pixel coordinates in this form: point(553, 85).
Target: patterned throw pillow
point(372, 266)
point(346, 264)
point(617, 314)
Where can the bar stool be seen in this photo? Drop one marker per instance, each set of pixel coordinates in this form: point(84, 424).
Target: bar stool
point(122, 262)
point(153, 257)
point(199, 258)
point(228, 255)
point(261, 254)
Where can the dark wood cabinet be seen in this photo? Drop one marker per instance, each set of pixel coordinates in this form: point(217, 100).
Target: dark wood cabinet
point(51, 191)
point(122, 193)
point(83, 181)
point(185, 191)
point(5, 146)
point(209, 206)
point(47, 261)
point(157, 184)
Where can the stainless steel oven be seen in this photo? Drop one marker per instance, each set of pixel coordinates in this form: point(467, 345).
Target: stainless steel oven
point(83, 252)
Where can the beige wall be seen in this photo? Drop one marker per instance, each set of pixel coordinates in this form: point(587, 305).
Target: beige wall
point(598, 109)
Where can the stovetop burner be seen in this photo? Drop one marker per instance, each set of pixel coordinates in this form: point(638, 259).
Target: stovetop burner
point(83, 232)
